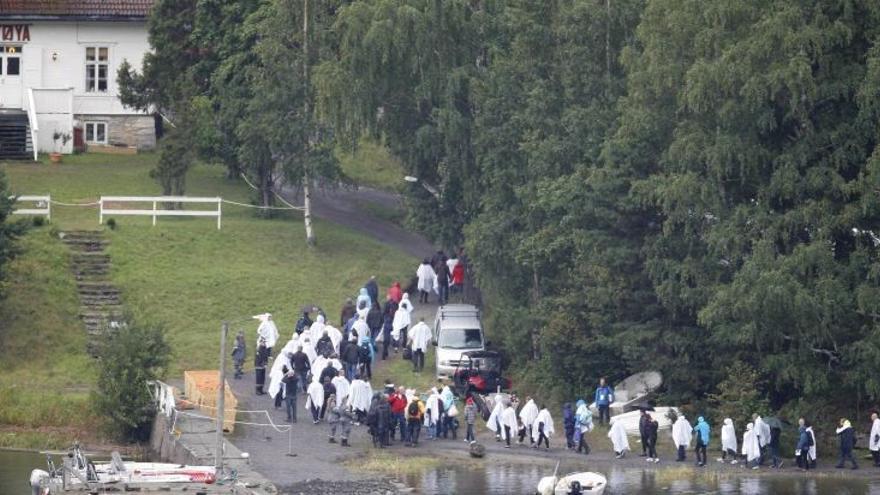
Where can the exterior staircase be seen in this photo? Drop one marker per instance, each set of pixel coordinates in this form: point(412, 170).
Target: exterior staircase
point(100, 301)
point(15, 136)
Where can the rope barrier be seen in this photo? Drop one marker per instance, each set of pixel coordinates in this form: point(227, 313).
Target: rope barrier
point(290, 206)
point(281, 429)
point(262, 207)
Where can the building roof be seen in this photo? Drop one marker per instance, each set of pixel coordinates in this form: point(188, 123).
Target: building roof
point(98, 10)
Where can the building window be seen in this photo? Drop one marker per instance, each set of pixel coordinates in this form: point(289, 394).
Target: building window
point(96, 132)
point(96, 68)
point(10, 60)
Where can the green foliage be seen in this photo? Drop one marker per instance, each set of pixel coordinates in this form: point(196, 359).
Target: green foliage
point(131, 357)
point(9, 231)
point(740, 394)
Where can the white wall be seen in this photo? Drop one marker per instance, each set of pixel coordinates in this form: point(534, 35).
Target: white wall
point(68, 41)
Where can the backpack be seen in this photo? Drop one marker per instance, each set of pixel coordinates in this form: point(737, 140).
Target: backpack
point(364, 353)
point(413, 409)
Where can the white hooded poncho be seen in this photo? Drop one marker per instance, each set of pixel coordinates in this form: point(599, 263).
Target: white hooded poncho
point(267, 329)
point(618, 437)
point(812, 452)
point(508, 418)
point(681, 432)
point(361, 394)
point(426, 277)
point(528, 413)
point(873, 441)
point(402, 318)
point(316, 331)
point(421, 336)
point(728, 436)
point(495, 417)
point(750, 447)
point(316, 394)
point(542, 417)
point(762, 430)
point(432, 408)
point(363, 331)
point(343, 389)
point(276, 375)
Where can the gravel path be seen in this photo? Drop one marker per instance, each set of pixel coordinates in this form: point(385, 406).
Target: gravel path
point(342, 206)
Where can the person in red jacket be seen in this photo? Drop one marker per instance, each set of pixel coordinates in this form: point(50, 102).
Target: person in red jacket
point(395, 293)
point(397, 401)
point(457, 282)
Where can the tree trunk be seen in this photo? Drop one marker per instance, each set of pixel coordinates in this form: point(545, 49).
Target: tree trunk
point(307, 212)
point(535, 332)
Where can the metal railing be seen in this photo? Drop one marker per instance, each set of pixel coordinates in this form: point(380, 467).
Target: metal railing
point(32, 120)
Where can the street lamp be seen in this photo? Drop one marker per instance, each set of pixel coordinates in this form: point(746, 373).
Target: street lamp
point(430, 189)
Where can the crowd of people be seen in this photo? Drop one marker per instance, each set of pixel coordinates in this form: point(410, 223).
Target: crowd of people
point(332, 368)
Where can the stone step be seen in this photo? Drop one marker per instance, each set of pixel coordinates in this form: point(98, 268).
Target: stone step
point(97, 284)
point(97, 289)
point(90, 257)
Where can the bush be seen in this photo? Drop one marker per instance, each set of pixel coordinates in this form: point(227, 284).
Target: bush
point(739, 396)
point(111, 224)
point(132, 356)
point(38, 221)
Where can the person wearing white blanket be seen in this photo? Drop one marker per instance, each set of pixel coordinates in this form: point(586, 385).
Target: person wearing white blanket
point(874, 439)
point(316, 398)
point(494, 422)
point(267, 330)
point(361, 394)
point(508, 422)
point(401, 321)
point(420, 335)
point(681, 436)
point(728, 441)
point(343, 388)
point(762, 432)
point(527, 415)
point(542, 428)
point(751, 449)
point(619, 440)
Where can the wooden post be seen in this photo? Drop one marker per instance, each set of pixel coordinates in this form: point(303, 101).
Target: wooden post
point(101, 211)
point(221, 401)
point(154, 213)
point(219, 212)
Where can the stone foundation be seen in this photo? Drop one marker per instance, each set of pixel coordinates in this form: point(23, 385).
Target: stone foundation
point(126, 130)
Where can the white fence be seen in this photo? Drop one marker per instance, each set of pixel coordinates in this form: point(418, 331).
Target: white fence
point(155, 212)
point(43, 206)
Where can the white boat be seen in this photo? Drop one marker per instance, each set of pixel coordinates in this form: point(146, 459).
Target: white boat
point(632, 390)
point(77, 470)
point(631, 419)
point(584, 483)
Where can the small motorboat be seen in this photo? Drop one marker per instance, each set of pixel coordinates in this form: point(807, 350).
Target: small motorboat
point(78, 470)
point(583, 483)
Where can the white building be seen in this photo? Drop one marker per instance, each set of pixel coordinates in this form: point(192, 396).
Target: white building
point(58, 63)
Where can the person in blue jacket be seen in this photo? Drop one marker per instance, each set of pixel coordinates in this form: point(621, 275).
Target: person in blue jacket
point(604, 398)
point(701, 432)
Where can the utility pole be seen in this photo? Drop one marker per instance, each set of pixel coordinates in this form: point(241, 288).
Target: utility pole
point(307, 195)
point(221, 401)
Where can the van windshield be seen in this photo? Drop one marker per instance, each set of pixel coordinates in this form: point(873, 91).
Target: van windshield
point(461, 338)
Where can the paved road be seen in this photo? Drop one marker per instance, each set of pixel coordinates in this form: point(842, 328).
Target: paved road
point(343, 206)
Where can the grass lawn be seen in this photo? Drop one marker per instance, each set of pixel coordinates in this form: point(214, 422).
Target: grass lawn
point(372, 165)
point(183, 273)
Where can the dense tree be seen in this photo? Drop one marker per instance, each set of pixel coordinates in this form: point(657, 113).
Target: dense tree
point(9, 230)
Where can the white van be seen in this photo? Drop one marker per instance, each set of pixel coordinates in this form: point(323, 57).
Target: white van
point(457, 329)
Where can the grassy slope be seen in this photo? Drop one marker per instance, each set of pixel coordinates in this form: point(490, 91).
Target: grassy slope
point(183, 273)
point(372, 165)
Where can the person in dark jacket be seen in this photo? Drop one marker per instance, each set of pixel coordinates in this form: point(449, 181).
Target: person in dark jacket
point(372, 289)
point(568, 425)
point(847, 441)
point(324, 347)
point(291, 384)
point(643, 432)
point(375, 320)
point(328, 373)
point(303, 323)
point(775, 433)
point(443, 277)
point(239, 353)
point(350, 356)
point(651, 427)
point(802, 449)
point(261, 358)
point(348, 310)
point(301, 365)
